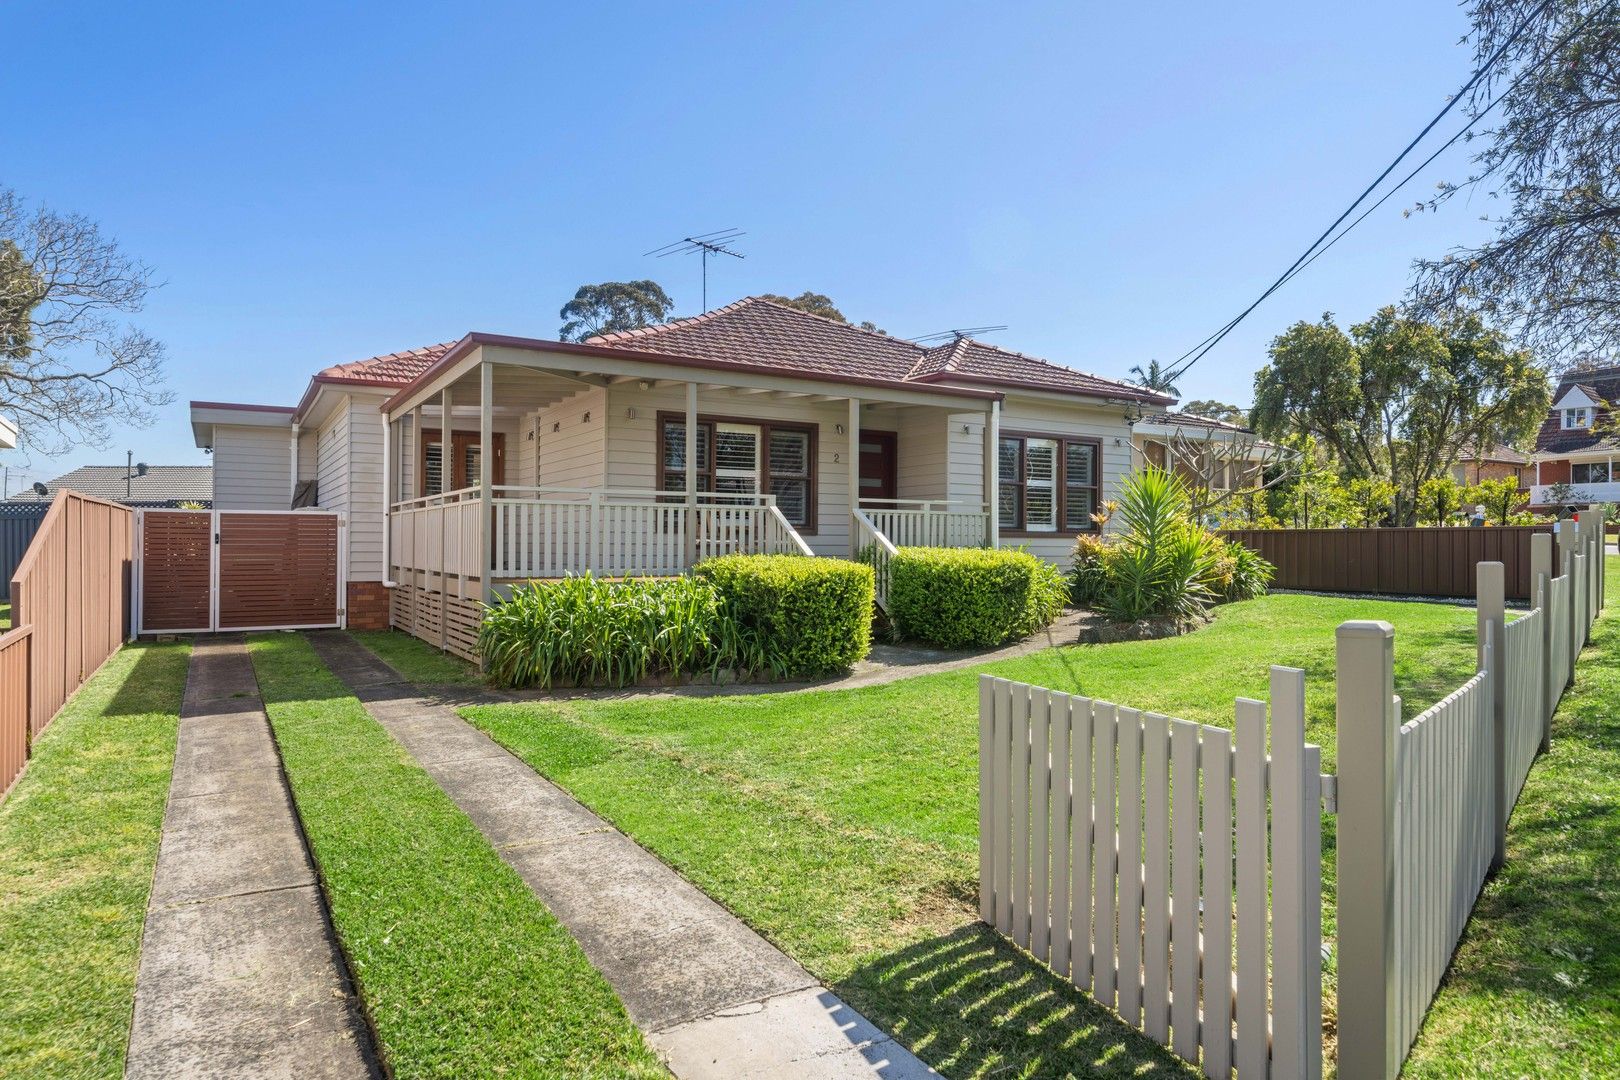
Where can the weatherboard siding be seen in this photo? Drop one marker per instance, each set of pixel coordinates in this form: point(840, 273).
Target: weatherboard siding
point(252, 468)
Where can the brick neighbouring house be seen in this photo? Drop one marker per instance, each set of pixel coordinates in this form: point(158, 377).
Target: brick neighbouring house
point(1575, 445)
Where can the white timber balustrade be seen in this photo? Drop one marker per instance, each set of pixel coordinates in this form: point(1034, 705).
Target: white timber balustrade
point(875, 548)
point(929, 522)
point(437, 535)
point(549, 532)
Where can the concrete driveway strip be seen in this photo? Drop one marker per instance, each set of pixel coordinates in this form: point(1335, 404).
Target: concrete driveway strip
point(239, 975)
point(715, 999)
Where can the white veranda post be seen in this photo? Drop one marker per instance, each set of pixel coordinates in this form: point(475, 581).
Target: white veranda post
point(992, 474)
point(689, 467)
point(853, 462)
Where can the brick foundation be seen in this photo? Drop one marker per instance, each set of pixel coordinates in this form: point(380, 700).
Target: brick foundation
point(368, 605)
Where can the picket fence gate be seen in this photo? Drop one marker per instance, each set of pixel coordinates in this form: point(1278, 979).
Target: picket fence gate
point(1174, 870)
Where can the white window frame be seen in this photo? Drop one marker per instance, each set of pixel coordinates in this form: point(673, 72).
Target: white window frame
point(1575, 419)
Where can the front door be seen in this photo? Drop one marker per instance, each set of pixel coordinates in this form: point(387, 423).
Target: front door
point(878, 465)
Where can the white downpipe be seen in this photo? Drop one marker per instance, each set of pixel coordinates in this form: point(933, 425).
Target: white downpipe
point(292, 479)
point(388, 523)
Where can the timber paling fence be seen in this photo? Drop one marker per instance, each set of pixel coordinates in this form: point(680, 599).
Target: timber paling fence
point(1394, 562)
point(1174, 870)
point(70, 612)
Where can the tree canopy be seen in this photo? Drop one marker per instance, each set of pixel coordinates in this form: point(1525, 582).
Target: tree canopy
point(1552, 156)
point(71, 366)
point(1155, 377)
point(1397, 397)
point(613, 307)
point(1216, 410)
point(816, 304)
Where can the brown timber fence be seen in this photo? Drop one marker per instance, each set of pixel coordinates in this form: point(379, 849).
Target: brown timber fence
point(70, 608)
point(1396, 562)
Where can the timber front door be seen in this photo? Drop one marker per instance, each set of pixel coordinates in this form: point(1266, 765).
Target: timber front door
point(878, 465)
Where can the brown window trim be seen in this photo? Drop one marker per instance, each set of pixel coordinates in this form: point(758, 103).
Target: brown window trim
point(458, 437)
point(1061, 487)
point(812, 525)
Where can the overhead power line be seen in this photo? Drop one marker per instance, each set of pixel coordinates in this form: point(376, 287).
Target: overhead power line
point(1186, 360)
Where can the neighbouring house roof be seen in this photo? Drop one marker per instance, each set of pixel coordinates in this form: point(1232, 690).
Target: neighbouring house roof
point(1189, 420)
point(774, 337)
point(1496, 455)
point(1600, 384)
point(163, 485)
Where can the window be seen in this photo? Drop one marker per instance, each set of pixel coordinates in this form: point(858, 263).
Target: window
point(744, 458)
point(1048, 484)
point(1589, 472)
point(433, 468)
point(1577, 418)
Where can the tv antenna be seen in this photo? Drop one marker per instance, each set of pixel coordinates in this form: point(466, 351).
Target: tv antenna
point(705, 244)
point(955, 335)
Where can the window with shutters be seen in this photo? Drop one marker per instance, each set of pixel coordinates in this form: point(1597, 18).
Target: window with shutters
point(744, 457)
point(1048, 484)
point(443, 472)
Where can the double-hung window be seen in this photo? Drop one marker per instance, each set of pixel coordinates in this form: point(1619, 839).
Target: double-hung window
point(742, 458)
point(1048, 483)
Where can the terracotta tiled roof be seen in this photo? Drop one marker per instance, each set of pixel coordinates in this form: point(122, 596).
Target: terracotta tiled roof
point(1503, 454)
point(1599, 385)
point(390, 369)
point(771, 335)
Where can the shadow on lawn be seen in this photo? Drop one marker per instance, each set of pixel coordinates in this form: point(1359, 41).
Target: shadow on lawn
point(154, 683)
point(970, 1004)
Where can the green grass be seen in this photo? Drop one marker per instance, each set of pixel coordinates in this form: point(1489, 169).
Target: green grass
point(78, 841)
point(5, 614)
point(416, 660)
point(461, 968)
point(1534, 989)
point(842, 824)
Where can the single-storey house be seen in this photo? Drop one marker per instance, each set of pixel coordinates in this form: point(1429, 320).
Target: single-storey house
point(1206, 453)
point(1577, 444)
point(1499, 462)
point(141, 485)
point(465, 466)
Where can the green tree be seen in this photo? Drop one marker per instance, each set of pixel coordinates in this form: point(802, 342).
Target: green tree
point(613, 307)
point(1372, 500)
point(1397, 396)
point(1498, 497)
point(1216, 410)
point(816, 304)
point(1551, 156)
point(1438, 499)
point(1155, 377)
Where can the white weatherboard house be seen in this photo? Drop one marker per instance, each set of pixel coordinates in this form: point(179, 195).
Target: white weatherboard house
point(746, 428)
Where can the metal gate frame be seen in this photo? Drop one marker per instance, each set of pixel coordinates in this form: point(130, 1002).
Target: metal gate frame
point(138, 618)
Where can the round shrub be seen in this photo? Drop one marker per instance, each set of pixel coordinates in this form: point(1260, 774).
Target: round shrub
point(796, 615)
point(959, 598)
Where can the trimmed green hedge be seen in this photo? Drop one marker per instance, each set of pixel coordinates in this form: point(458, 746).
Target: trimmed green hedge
point(806, 616)
point(958, 598)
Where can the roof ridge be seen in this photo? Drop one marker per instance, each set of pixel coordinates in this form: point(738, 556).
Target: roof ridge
point(668, 324)
point(1054, 364)
point(830, 321)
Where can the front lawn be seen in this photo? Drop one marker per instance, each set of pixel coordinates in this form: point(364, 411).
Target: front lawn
point(78, 843)
point(416, 660)
point(842, 824)
point(461, 969)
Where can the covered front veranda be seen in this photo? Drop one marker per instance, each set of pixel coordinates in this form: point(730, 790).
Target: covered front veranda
point(586, 470)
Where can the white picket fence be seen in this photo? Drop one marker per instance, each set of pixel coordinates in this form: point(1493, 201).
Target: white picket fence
point(1128, 850)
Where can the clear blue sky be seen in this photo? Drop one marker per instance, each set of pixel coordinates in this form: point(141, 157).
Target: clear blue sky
point(319, 182)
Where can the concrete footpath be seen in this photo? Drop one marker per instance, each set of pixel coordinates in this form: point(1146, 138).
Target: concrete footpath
point(240, 975)
point(714, 998)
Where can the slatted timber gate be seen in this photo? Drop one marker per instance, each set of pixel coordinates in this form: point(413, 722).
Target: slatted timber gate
point(199, 571)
